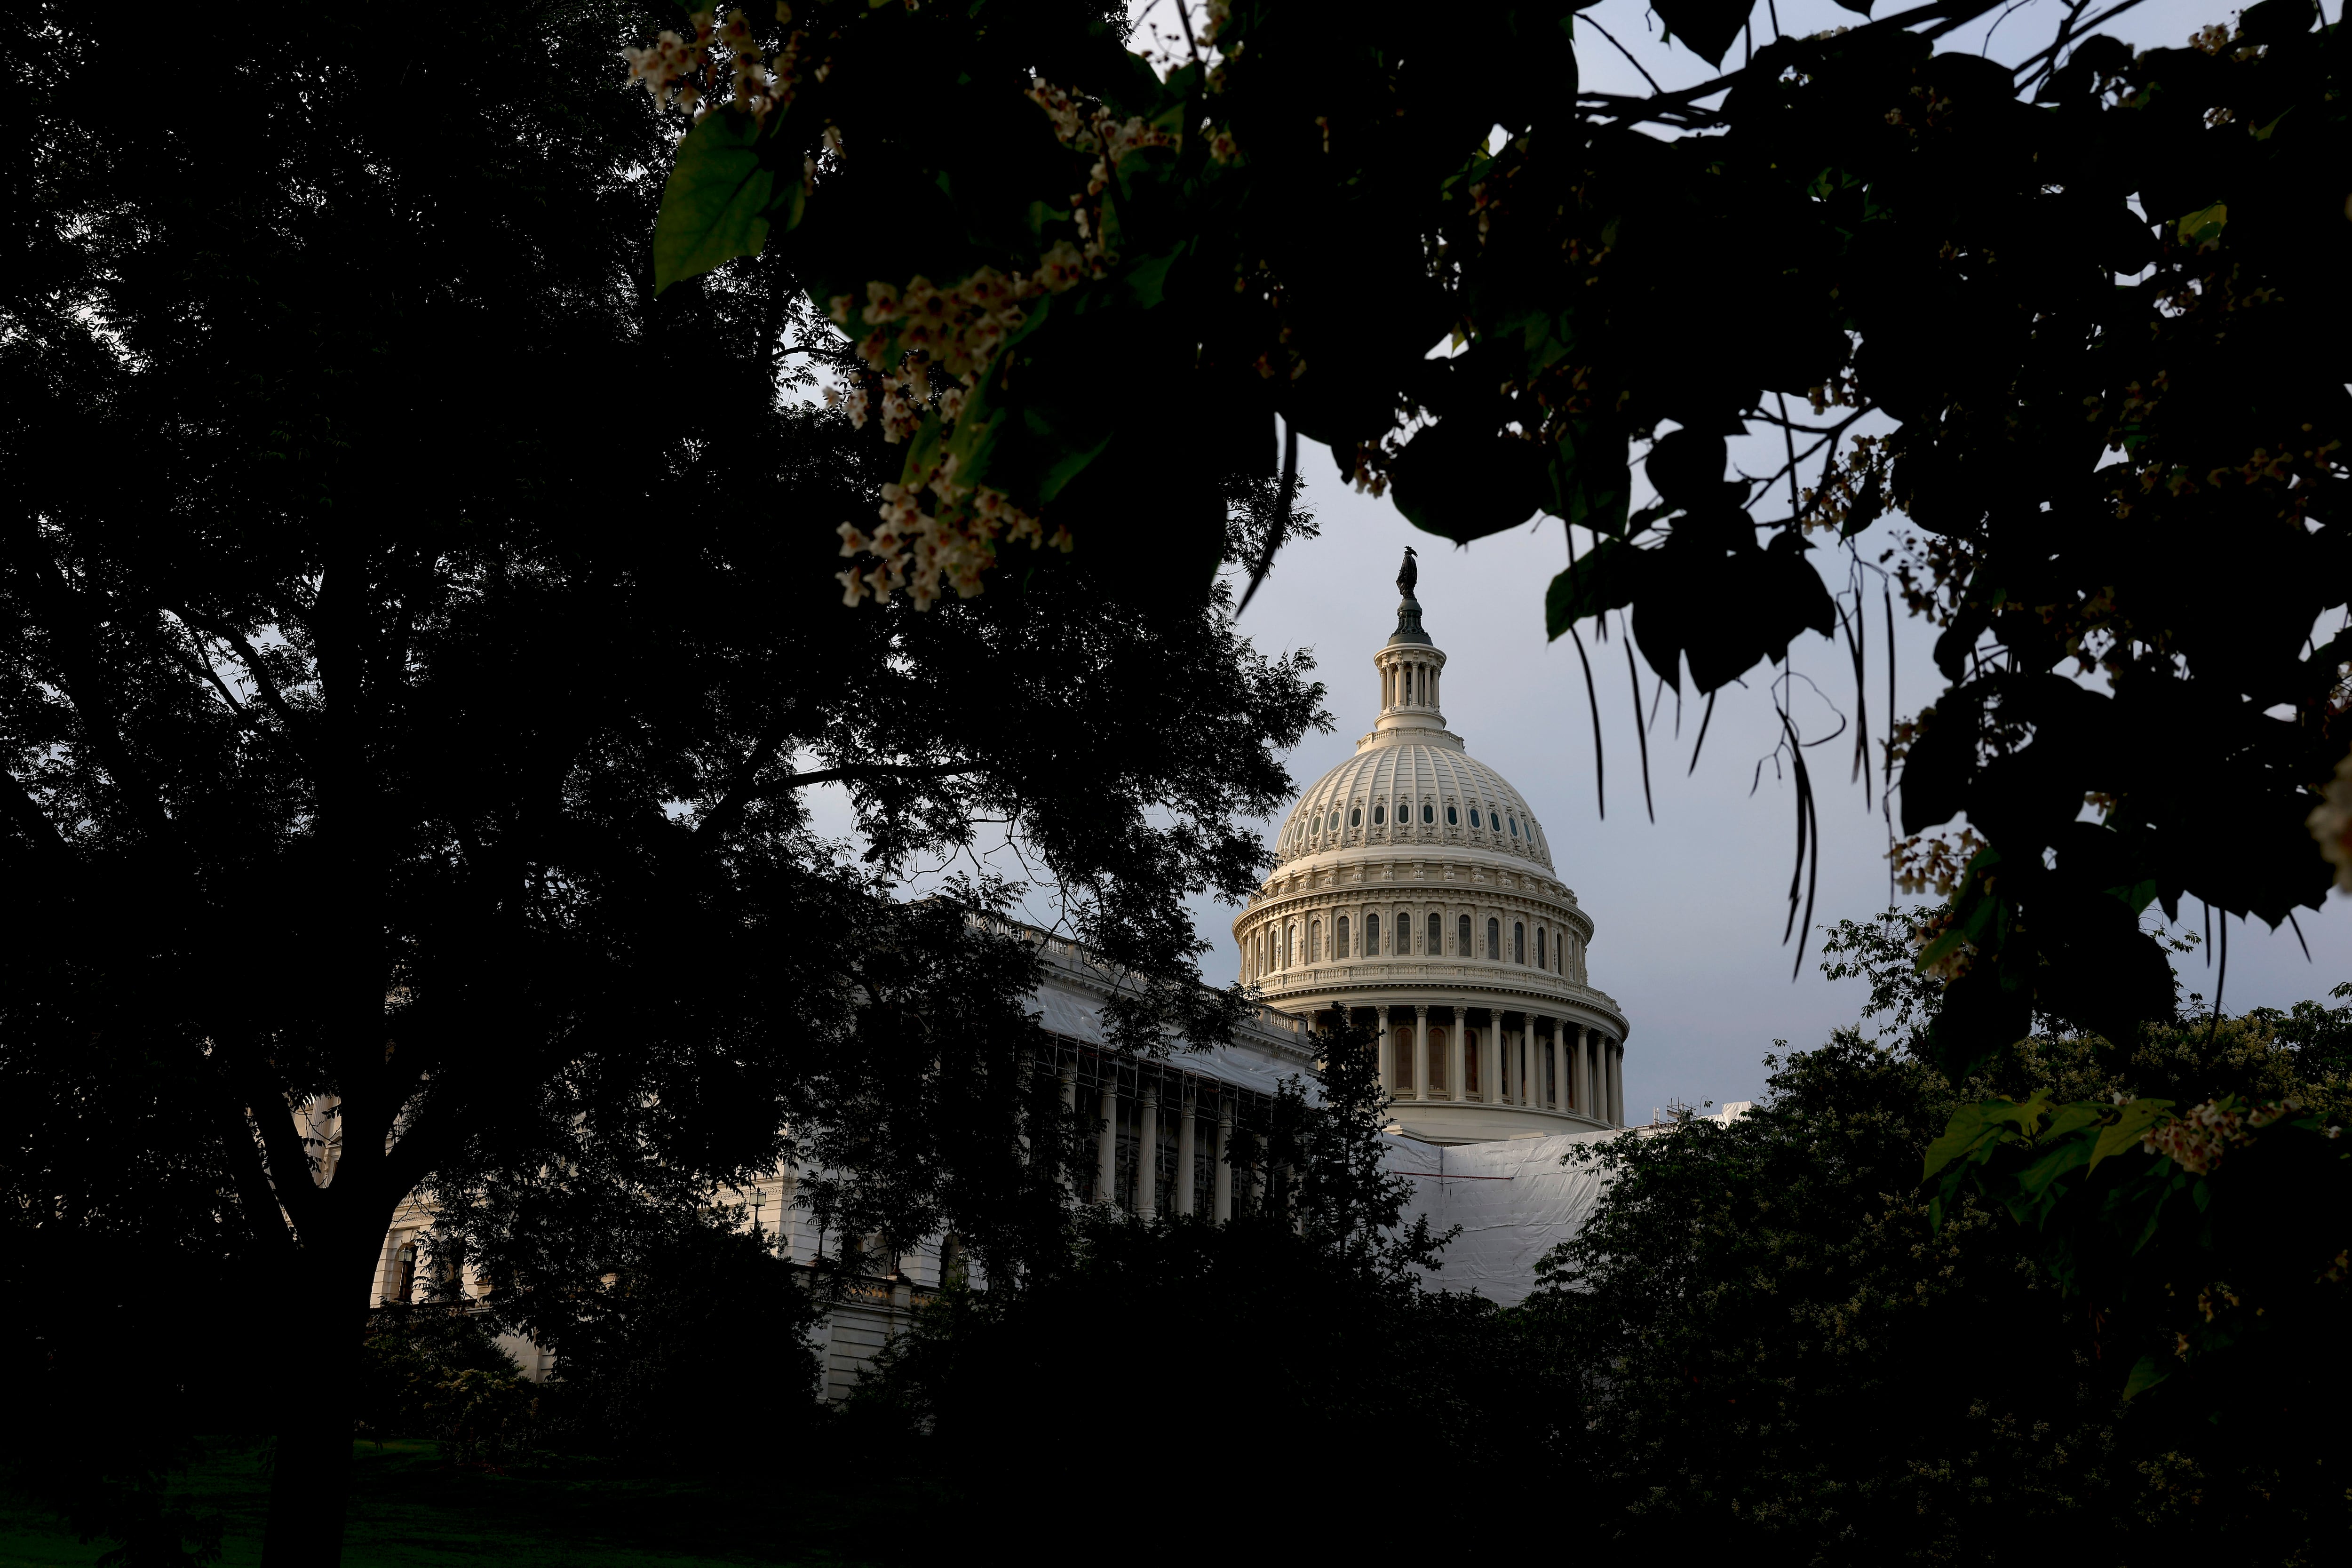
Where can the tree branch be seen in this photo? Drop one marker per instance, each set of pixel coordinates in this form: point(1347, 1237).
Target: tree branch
point(871, 773)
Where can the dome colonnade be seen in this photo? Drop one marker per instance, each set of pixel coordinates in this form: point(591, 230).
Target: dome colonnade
point(1414, 891)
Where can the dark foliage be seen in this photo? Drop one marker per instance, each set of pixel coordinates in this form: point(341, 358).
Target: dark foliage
point(1285, 1351)
point(693, 1352)
point(415, 654)
point(1784, 1353)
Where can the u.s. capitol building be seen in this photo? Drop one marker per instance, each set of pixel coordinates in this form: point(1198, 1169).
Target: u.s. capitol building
point(1414, 890)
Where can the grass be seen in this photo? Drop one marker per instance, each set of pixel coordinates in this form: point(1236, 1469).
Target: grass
point(410, 1510)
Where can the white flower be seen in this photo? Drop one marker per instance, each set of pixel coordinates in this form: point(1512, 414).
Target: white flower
point(2331, 822)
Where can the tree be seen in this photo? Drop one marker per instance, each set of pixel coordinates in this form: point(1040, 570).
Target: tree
point(1282, 225)
point(2076, 319)
point(1782, 1344)
point(1305, 1332)
point(410, 702)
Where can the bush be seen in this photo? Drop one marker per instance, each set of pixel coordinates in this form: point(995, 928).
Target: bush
point(1780, 1349)
point(697, 1351)
point(425, 1373)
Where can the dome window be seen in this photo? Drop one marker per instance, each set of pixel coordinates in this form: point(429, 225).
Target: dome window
point(1474, 817)
point(1335, 822)
point(1380, 816)
point(1452, 818)
point(1428, 813)
point(1355, 816)
point(1514, 827)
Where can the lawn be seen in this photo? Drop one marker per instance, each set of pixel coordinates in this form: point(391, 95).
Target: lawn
point(409, 1509)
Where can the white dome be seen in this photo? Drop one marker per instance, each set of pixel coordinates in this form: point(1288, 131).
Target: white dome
point(1414, 891)
point(1401, 792)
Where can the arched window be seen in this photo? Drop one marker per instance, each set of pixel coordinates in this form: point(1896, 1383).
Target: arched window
point(1514, 827)
point(1452, 818)
point(1315, 943)
point(1289, 938)
point(1355, 816)
point(1428, 813)
point(1437, 936)
point(1371, 936)
point(1474, 817)
point(1437, 1073)
point(1401, 1054)
point(1494, 938)
point(1339, 938)
point(1404, 928)
point(1518, 941)
point(1461, 937)
point(1542, 961)
point(1380, 815)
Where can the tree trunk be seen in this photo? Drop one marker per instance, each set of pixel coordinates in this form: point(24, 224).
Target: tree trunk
point(316, 1396)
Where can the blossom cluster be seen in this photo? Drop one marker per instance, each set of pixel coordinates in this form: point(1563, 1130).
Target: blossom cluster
point(954, 542)
point(2195, 1140)
point(936, 529)
point(1844, 480)
point(1923, 861)
point(678, 70)
point(2331, 822)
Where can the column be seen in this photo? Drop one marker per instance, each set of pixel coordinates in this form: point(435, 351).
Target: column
point(1490, 1059)
point(1146, 1148)
point(1583, 1080)
point(1187, 1146)
point(1388, 1054)
point(1224, 1196)
point(1069, 1073)
point(1616, 1055)
point(1558, 1064)
point(1107, 1140)
point(1420, 1053)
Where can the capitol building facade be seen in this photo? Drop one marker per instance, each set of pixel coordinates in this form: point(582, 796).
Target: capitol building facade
point(1414, 892)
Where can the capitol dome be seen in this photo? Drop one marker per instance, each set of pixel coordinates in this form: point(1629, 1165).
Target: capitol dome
point(1414, 891)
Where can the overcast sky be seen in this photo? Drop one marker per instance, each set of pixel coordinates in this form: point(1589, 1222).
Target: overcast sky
point(1690, 910)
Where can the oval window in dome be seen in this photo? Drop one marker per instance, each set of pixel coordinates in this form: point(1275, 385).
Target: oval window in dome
point(1355, 816)
point(1380, 816)
point(1474, 817)
point(1334, 827)
point(1514, 827)
point(1452, 818)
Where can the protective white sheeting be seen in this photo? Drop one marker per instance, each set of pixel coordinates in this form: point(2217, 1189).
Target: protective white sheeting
point(1514, 1201)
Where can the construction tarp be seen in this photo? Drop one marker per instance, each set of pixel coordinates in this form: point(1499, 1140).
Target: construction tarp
point(1515, 1200)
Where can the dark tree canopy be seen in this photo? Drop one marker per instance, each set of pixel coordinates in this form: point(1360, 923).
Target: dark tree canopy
point(418, 651)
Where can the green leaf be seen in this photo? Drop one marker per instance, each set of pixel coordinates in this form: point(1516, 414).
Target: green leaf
point(2129, 1128)
point(1604, 578)
point(2146, 1374)
point(2204, 224)
point(1971, 1128)
point(1706, 26)
point(715, 205)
